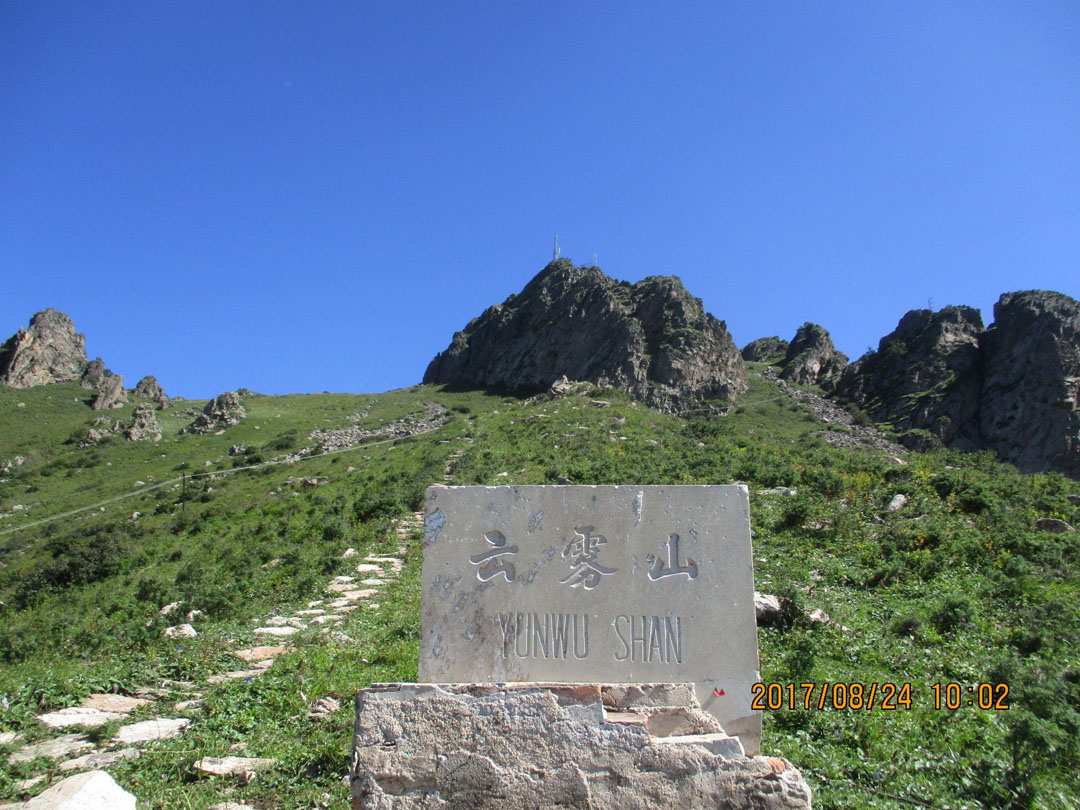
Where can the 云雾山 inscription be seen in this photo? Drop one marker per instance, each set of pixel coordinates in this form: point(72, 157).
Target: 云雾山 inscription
point(604, 584)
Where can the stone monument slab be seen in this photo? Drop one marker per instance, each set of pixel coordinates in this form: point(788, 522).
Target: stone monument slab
point(570, 584)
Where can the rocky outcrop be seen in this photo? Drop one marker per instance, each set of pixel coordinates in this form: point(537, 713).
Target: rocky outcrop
point(110, 393)
point(764, 350)
point(574, 745)
point(144, 425)
point(149, 388)
point(94, 374)
point(925, 377)
point(1030, 404)
point(1013, 388)
point(651, 339)
point(811, 358)
point(224, 410)
point(48, 352)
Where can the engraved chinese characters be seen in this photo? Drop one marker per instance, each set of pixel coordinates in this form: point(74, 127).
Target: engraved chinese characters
point(601, 584)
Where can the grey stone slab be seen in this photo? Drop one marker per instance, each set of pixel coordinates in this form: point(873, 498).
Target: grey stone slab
point(594, 583)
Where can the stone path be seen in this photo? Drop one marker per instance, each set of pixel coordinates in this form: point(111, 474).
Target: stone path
point(344, 594)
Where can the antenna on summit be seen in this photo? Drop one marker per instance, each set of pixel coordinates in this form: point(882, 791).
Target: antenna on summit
point(556, 250)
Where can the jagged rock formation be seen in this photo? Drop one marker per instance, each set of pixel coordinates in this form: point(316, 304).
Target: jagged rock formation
point(764, 350)
point(149, 388)
point(651, 339)
point(48, 352)
point(924, 377)
point(94, 374)
point(144, 425)
point(1013, 388)
point(1030, 405)
point(811, 358)
point(110, 393)
point(224, 410)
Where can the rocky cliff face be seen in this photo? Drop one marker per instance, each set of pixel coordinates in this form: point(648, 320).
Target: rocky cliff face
point(651, 339)
point(1012, 388)
point(1030, 405)
point(149, 388)
point(48, 352)
point(925, 376)
point(811, 358)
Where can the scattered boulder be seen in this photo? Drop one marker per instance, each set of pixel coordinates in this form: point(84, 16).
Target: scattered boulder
point(651, 339)
point(149, 388)
point(767, 608)
point(811, 358)
point(223, 411)
point(181, 631)
point(144, 425)
point(110, 393)
point(897, 502)
point(765, 350)
point(99, 759)
point(48, 352)
point(238, 449)
point(93, 790)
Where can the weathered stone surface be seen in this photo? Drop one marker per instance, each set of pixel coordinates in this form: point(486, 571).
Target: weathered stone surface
point(94, 374)
point(231, 766)
point(149, 388)
point(48, 352)
point(181, 631)
point(56, 748)
point(122, 704)
point(925, 376)
point(811, 358)
point(651, 339)
point(99, 759)
point(605, 583)
point(223, 411)
point(1053, 525)
point(8, 737)
point(506, 746)
point(765, 350)
point(160, 728)
point(253, 654)
point(767, 609)
point(78, 716)
point(94, 790)
point(144, 426)
point(1030, 406)
point(110, 393)
point(280, 632)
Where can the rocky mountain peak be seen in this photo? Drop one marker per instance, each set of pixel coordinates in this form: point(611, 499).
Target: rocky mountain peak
point(812, 359)
point(49, 351)
point(651, 339)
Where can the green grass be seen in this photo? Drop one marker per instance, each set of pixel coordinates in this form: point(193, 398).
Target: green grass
point(956, 586)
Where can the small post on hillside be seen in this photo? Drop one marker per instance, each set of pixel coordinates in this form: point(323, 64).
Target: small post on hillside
point(556, 250)
point(183, 493)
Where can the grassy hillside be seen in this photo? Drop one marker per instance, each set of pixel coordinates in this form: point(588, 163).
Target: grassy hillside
point(954, 586)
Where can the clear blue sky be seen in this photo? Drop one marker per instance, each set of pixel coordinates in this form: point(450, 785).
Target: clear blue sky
point(309, 196)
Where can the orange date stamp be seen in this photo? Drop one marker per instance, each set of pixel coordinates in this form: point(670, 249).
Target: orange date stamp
point(870, 696)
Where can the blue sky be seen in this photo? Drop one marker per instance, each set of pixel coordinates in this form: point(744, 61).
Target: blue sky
point(298, 197)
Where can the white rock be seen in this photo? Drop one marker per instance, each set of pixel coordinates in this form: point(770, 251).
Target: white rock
point(180, 631)
point(231, 766)
point(258, 653)
point(8, 737)
point(93, 790)
point(349, 552)
point(169, 608)
point(369, 568)
point(78, 716)
point(280, 632)
point(897, 503)
point(161, 728)
point(99, 759)
point(56, 748)
point(113, 703)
